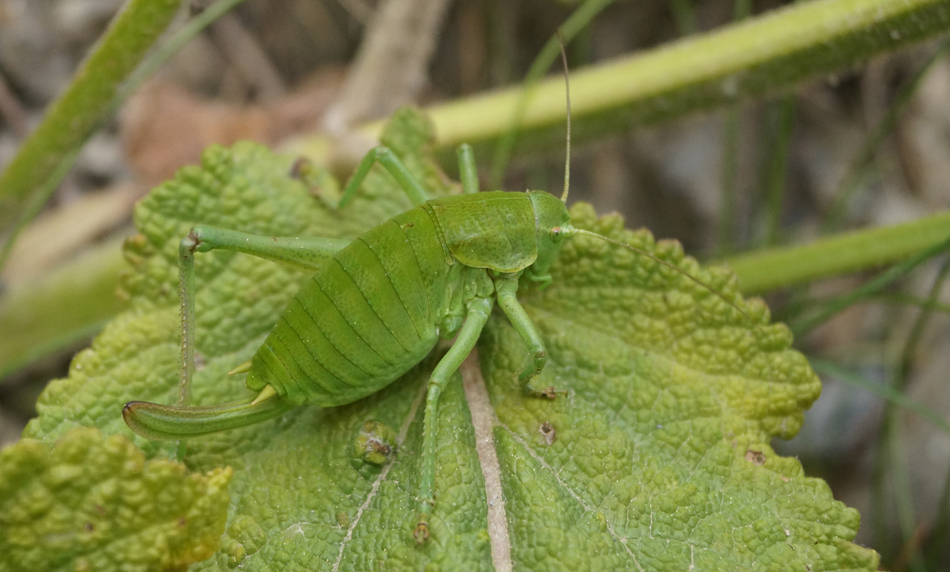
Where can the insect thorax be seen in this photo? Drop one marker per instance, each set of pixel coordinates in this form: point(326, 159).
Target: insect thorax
point(494, 230)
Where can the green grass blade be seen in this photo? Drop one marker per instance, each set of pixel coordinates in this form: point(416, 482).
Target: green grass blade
point(908, 300)
point(123, 92)
point(856, 176)
point(783, 112)
point(887, 393)
point(843, 253)
point(577, 22)
point(78, 112)
point(867, 289)
point(741, 9)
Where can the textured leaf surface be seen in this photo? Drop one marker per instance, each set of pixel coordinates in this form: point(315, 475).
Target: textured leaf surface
point(657, 457)
point(661, 457)
point(89, 503)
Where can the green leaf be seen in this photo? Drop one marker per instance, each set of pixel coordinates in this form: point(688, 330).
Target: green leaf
point(657, 458)
point(662, 458)
point(93, 503)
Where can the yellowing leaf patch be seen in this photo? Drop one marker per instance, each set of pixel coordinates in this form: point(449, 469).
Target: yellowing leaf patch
point(94, 503)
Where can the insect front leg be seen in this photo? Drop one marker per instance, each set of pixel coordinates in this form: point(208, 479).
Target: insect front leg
point(477, 314)
point(506, 288)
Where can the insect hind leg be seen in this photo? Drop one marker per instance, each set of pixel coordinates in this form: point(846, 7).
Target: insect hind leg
point(304, 253)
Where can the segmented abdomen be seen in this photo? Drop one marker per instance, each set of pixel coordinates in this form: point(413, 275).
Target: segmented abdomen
point(362, 320)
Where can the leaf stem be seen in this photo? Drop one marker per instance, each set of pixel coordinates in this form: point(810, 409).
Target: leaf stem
point(785, 266)
point(765, 54)
point(75, 115)
point(123, 92)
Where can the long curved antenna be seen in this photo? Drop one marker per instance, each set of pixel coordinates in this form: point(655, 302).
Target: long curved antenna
point(567, 92)
point(664, 263)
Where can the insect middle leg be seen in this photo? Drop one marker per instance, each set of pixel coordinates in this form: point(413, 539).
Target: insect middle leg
point(468, 173)
point(477, 314)
point(406, 181)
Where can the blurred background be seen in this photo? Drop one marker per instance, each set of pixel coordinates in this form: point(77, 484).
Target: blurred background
point(867, 146)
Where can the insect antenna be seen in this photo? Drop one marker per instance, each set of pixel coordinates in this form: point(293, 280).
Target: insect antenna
point(664, 263)
point(567, 93)
point(567, 184)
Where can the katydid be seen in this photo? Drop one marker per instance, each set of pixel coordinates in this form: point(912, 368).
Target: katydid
point(376, 306)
